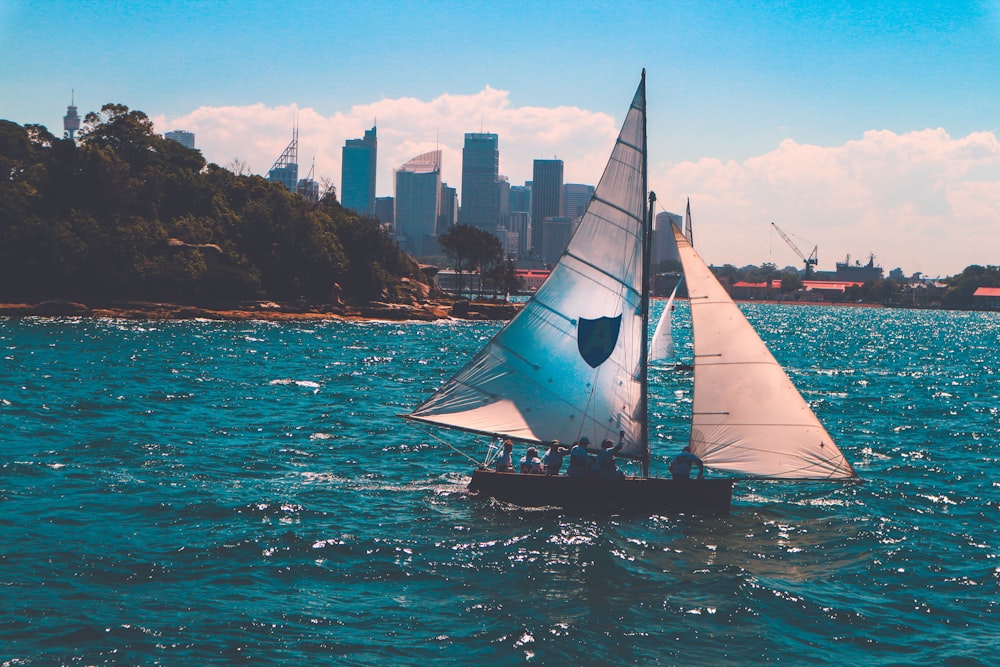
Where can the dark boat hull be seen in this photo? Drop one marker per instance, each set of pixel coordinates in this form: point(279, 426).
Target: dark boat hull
point(629, 494)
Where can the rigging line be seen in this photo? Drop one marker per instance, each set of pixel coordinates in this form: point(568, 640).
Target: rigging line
point(449, 445)
point(493, 453)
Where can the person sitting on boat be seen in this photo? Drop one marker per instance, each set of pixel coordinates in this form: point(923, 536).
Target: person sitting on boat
point(531, 464)
point(553, 459)
point(505, 463)
point(605, 464)
point(581, 464)
point(680, 467)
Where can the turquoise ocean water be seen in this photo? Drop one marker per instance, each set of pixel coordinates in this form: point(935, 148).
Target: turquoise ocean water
point(181, 493)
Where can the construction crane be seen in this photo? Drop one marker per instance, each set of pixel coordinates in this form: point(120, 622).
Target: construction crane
point(809, 261)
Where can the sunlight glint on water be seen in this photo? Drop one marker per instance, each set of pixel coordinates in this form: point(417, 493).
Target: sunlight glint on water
point(225, 493)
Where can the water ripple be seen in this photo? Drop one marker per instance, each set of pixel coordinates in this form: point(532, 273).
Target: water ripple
point(227, 493)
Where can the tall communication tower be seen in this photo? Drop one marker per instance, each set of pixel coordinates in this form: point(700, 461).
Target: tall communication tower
point(71, 121)
point(286, 167)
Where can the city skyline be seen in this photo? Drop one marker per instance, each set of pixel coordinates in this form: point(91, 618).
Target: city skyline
point(857, 129)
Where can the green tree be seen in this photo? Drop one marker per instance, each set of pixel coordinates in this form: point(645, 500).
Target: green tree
point(471, 248)
point(126, 214)
point(963, 286)
point(505, 280)
point(115, 127)
point(791, 281)
point(728, 272)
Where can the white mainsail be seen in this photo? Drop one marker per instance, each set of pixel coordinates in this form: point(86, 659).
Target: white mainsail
point(748, 418)
point(570, 363)
point(662, 346)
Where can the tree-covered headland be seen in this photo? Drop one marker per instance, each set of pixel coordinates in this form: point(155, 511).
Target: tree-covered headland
point(123, 214)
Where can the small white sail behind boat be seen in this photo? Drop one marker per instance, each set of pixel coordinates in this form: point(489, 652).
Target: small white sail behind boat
point(662, 347)
point(747, 416)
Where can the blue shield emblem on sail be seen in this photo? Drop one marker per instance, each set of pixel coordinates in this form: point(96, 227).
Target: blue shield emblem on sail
point(596, 339)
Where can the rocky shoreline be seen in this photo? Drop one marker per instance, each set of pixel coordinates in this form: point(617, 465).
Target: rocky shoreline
point(423, 311)
point(427, 311)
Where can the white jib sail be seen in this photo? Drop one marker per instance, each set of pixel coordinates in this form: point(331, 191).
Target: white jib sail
point(568, 364)
point(662, 347)
point(747, 416)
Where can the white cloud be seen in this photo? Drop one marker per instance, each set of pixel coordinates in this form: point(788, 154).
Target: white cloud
point(922, 200)
point(406, 127)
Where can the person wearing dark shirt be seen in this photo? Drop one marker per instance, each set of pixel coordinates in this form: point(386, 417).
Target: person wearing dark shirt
point(605, 464)
point(680, 467)
point(581, 464)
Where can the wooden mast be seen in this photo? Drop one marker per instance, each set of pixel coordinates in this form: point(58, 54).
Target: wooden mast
point(647, 251)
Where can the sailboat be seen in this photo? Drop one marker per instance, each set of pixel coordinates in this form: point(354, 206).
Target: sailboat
point(573, 364)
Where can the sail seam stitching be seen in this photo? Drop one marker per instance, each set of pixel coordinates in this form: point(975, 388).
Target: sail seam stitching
point(616, 207)
point(627, 286)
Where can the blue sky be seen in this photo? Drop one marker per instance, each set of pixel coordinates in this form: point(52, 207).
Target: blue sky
point(858, 126)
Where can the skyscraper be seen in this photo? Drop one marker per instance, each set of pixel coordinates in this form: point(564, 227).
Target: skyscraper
point(480, 192)
point(556, 231)
point(449, 209)
point(503, 194)
point(516, 223)
point(181, 136)
point(520, 198)
point(418, 203)
point(575, 199)
point(358, 162)
point(546, 202)
point(518, 217)
point(385, 209)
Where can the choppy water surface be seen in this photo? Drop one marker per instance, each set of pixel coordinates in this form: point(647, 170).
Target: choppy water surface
point(226, 493)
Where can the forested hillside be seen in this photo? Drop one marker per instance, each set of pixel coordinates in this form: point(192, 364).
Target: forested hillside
point(123, 214)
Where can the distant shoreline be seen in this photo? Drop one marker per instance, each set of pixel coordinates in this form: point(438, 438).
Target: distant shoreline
point(268, 311)
point(428, 311)
point(844, 304)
